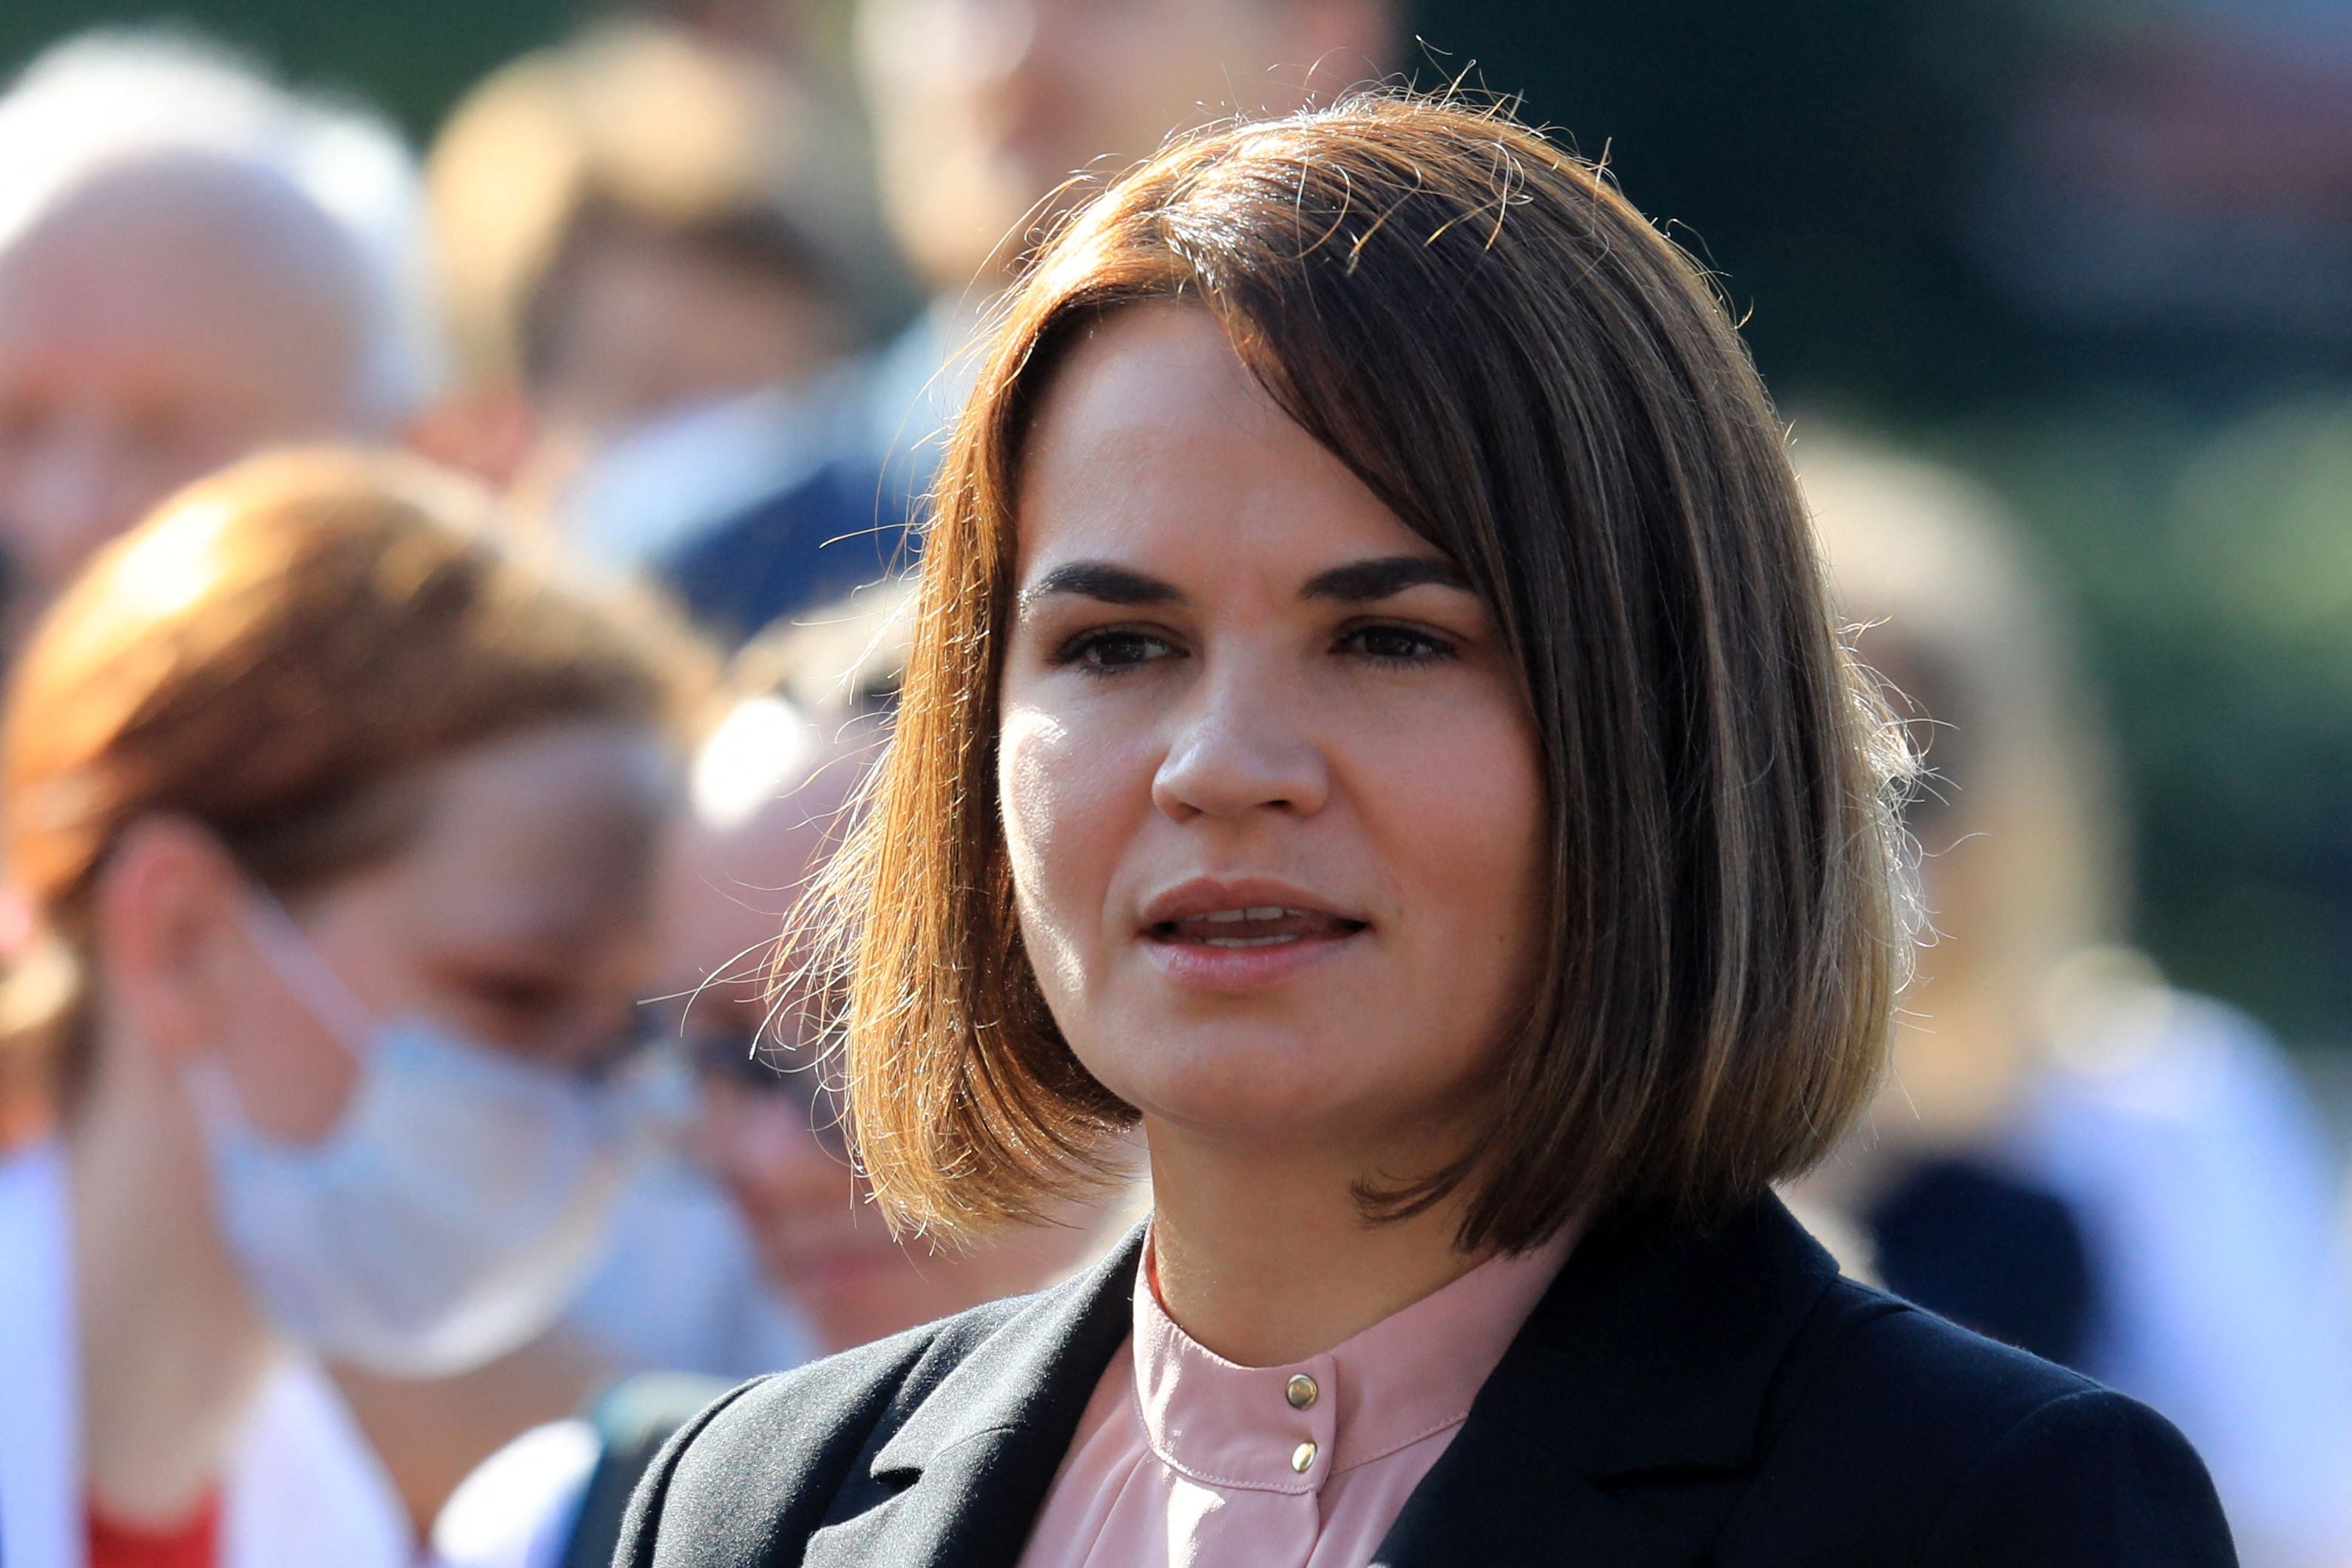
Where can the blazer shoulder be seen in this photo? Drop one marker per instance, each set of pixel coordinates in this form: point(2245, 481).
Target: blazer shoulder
point(1944, 1446)
point(904, 1366)
point(763, 1461)
point(1863, 1337)
point(2090, 1477)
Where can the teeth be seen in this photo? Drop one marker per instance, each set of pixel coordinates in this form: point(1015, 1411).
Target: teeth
point(1254, 913)
point(1246, 941)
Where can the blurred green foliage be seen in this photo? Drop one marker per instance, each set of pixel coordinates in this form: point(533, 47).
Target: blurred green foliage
point(1807, 150)
point(1820, 154)
point(411, 59)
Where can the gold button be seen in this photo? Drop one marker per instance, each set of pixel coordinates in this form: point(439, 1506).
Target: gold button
point(1300, 1390)
point(1302, 1457)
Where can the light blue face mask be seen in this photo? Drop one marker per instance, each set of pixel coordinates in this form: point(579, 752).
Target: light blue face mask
point(453, 1209)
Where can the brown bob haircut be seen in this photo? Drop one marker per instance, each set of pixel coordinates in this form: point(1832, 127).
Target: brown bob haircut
point(1545, 389)
point(276, 653)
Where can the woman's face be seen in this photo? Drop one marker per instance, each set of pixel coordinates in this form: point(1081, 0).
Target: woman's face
point(519, 916)
point(768, 1137)
point(824, 1246)
point(1270, 793)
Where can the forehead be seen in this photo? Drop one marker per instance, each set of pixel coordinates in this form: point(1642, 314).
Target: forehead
point(1153, 436)
point(725, 892)
point(180, 250)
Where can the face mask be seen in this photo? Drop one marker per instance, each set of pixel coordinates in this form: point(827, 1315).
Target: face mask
point(453, 1209)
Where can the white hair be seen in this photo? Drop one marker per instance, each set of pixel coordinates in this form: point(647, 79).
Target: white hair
point(110, 97)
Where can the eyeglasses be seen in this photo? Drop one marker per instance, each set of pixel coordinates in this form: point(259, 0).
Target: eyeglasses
point(747, 1060)
point(740, 1057)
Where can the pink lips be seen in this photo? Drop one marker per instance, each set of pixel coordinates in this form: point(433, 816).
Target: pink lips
point(1241, 935)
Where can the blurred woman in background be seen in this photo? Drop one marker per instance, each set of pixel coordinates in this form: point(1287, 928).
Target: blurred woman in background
point(762, 816)
point(336, 818)
point(2075, 1157)
point(766, 793)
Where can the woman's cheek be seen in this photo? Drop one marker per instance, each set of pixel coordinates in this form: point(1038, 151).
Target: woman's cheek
point(1466, 828)
point(1062, 838)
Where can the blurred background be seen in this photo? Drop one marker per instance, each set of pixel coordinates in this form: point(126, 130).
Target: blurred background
point(2055, 294)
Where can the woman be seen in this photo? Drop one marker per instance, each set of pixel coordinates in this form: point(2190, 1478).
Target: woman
point(335, 817)
point(2123, 1177)
point(1374, 721)
point(766, 1128)
point(764, 788)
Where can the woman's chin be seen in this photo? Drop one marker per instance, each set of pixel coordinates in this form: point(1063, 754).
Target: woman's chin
point(1241, 1088)
point(852, 1294)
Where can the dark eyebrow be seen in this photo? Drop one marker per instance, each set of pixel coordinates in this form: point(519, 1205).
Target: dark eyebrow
point(1099, 580)
point(1362, 582)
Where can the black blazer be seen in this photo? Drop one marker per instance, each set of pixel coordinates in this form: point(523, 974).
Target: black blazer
point(1727, 1401)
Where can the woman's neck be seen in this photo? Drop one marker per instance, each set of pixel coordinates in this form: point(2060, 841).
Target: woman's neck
point(1266, 1258)
point(173, 1348)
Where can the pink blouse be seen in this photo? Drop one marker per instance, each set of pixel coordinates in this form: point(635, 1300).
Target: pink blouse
point(1183, 1459)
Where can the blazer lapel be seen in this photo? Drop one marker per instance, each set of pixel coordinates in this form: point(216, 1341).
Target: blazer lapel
point(1503, 1496)
point(961, 1479)
point(1643, 1357)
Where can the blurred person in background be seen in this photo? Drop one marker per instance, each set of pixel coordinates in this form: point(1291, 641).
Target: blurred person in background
point(194, 264)
point(2071, 1156)
point(659, 256)
point(683, 1286)
point(810, 35)
point(338, 818)
point(983, 111)
point(767, 790)
point(657, 251)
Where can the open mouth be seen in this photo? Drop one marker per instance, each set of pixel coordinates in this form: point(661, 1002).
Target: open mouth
point(1259, 925)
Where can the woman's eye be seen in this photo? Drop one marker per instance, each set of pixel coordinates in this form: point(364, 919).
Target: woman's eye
point(1103, 652)
point(1395, 644)
point(518, 1000)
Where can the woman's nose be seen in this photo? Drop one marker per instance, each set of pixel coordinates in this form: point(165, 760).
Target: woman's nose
point(1241, 745)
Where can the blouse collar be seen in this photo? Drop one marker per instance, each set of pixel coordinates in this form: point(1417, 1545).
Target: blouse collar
point(1290, 1428)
